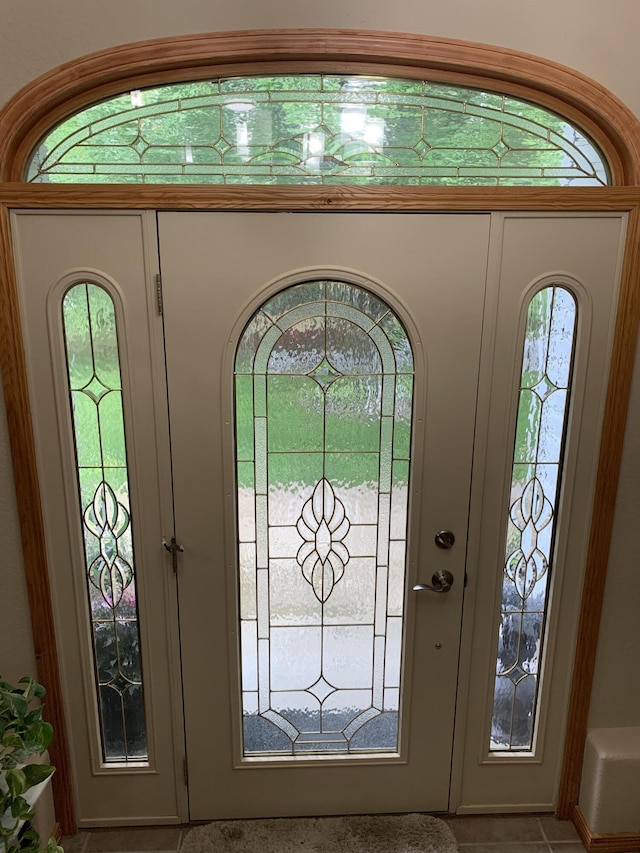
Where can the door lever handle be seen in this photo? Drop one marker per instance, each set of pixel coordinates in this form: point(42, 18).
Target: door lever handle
point(441, 581)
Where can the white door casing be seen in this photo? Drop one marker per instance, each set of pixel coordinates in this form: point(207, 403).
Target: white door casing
point(582, 251)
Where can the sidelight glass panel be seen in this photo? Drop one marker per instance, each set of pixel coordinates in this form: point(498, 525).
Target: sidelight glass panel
point(532, 514)
point(95, 389)
point(322, 533)
point(315, 129)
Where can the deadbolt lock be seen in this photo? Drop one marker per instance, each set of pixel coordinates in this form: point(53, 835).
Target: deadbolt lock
point(445, 539)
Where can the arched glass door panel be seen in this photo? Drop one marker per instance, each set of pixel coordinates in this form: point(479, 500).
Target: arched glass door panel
point(323, 395)
point(318, 129)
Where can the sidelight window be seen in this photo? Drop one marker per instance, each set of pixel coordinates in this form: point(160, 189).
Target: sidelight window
point(543, 404)
point(95, 391)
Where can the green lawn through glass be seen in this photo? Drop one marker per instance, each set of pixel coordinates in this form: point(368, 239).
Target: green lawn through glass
point(317, 129)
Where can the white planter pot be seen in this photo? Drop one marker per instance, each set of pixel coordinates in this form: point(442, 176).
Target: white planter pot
point(31, 795)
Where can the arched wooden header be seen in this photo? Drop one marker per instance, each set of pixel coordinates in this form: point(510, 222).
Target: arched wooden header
point(54, 96)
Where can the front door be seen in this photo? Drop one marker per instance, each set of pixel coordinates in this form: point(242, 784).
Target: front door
point(322, 375)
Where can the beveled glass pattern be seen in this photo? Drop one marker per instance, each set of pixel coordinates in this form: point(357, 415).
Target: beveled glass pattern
point(535, 482)
point(317, 129)
point(95, 389)
point(323, 405)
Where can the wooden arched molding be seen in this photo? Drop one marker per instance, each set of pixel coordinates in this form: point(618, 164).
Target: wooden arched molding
point(52, 97)
point(55, 95)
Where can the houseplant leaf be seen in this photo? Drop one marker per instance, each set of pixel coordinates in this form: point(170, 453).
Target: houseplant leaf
point(16, 781)
point(36, 773)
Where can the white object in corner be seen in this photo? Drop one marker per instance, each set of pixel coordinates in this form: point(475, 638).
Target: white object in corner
point(609, 793)
point(32, 795)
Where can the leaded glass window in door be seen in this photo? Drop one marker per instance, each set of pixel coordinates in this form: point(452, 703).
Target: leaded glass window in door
point(323, 396)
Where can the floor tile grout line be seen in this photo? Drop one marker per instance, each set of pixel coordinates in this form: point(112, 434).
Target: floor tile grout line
point(558, 841)
point(544, 834)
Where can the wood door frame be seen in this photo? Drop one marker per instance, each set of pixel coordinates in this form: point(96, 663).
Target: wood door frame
point(50, 98)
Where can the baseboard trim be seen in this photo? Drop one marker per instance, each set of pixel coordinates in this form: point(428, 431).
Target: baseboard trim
point(503, 808)
point(624, 842)
point(56, 832)
point(117, 822)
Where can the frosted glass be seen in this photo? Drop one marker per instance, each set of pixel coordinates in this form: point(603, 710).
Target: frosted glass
point(289, 602)
point(346, 663)
point(247, 566)
point(299, 349)
point(295, 657)
point(352, 601)
point(349, 348)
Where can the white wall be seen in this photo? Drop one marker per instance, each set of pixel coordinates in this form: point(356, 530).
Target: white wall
point(595, 37)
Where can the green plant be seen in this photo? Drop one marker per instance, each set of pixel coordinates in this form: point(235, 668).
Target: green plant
point(23, 735)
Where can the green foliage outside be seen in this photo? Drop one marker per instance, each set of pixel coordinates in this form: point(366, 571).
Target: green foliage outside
point(299, 430)
point(94, 376)
point(256, 130)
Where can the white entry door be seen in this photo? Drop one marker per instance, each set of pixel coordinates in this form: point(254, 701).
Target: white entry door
point(322, 375)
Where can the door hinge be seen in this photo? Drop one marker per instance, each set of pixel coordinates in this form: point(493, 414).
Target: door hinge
point(159, 293)
point(174, 549)
point(185, 770)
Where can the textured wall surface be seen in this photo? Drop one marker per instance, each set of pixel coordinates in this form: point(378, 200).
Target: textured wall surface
point(599, 39)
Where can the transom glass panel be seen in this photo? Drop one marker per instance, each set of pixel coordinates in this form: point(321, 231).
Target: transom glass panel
point(323, 398)
point(317, 129)
point(543, 403)
point(95, 391)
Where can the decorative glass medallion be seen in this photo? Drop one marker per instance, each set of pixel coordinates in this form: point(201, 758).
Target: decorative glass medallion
point(93, 370)
point(535, 484)
point(323, 391)
point(317, 129)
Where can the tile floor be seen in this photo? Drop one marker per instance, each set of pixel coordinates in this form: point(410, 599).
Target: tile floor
point(513, 834)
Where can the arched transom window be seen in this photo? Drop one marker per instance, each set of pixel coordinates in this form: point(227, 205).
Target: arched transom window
point(317, 129)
